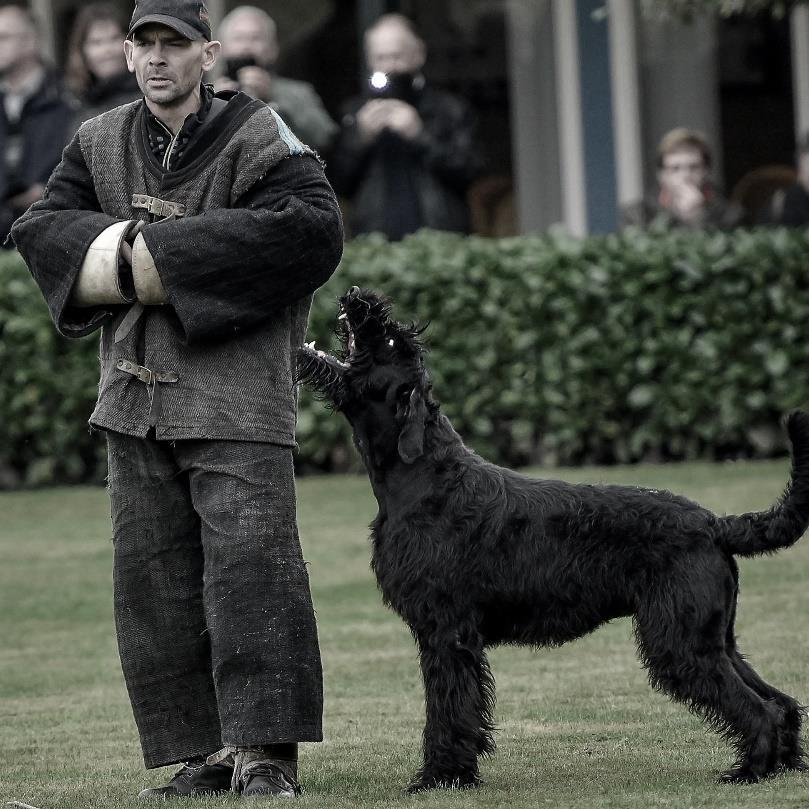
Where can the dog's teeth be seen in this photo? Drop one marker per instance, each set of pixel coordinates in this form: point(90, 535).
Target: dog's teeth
point(311, 345)
point(343, 316)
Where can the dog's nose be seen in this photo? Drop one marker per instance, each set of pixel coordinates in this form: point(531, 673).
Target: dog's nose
point(352, 293)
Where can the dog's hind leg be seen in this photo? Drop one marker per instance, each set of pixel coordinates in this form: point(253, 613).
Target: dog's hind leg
point(682, 642)
point(791, 755)
point(459, 697)
point(711, 687)
point(752, 723)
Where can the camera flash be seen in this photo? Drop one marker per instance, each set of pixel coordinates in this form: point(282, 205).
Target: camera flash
point(379, 80)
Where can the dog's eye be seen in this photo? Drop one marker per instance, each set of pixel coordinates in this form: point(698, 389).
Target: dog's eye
point(391, 342)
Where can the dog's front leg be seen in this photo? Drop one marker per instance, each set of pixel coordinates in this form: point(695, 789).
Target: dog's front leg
point(459, 696)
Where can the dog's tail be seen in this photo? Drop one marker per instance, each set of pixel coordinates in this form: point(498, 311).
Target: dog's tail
point(785, 522)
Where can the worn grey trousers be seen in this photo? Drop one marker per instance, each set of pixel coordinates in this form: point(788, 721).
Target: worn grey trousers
point(213, 612)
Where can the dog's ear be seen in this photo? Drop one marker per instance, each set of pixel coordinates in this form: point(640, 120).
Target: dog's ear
point(412, 413)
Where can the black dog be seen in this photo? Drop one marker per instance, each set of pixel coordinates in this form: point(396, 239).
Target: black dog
point(470, 555)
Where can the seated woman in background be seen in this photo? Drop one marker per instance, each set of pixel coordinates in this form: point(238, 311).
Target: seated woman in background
point(96, 68)
point(686, 196)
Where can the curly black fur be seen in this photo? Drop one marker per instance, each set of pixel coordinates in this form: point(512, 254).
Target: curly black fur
point(470, 554)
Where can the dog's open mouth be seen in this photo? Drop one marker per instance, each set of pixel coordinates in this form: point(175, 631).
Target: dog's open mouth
point(351, 343)
point(346, 337)
point(355, 314)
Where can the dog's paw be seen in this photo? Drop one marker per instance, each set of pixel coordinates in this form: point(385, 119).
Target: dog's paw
point(793, 763)
point(739, 775)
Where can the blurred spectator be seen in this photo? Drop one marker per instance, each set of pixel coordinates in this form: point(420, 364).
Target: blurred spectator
point(686, 197)
point(96, 68)
point(407, 154)
point(250, 50)
point(790, 206)
point(36, 119)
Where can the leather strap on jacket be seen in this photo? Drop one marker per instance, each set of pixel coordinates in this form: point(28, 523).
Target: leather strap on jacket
point(153, 381)
point(158, 207)
point(147, 375)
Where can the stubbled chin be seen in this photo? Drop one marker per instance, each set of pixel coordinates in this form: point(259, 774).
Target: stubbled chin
point(170, 96)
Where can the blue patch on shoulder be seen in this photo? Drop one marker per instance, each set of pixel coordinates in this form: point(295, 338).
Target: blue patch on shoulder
point(296, 146)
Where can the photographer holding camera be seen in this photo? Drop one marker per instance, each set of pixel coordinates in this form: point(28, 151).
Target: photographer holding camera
point(250, 50)
point(406, 153)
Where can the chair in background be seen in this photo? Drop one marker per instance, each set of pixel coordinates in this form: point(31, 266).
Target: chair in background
point(754, 191)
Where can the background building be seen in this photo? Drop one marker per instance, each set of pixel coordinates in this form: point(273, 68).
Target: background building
point(573, 95)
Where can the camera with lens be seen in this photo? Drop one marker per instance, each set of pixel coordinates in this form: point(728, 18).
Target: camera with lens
point(391, 85)
point(236, 63)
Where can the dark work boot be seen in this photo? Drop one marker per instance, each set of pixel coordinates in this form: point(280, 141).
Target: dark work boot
point(270, 771)
point(194, 778)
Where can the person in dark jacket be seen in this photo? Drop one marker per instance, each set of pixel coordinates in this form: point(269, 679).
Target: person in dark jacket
point(95, 71)
point(35, 116)
point(193, 228)
point(406, 154)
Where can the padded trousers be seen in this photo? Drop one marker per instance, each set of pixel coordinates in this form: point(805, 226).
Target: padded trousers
point(213, 612)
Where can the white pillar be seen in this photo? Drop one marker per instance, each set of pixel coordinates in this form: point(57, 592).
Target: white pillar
point(679, 65)
point(568, 102)
point(625, 101)
point(799, 25)
point(44, 13)
point(534, 130)
point(216, 10)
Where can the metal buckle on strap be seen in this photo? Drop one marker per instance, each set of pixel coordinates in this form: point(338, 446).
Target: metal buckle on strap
point(158, 207)
point(151, 379)
point(147, 375)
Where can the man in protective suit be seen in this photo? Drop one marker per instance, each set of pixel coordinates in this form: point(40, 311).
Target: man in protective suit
point(193, 228)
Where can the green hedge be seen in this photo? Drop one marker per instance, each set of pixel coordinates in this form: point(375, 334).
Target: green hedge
point(542, 349)
point(47, 389)
point(617, 348)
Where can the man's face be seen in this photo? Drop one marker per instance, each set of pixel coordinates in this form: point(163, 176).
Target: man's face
point(393, 49)
point(167, 65)
point(685, 166)
point(246, 35)
point(18, 41)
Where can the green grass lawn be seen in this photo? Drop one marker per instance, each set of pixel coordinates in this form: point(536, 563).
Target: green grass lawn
point(578, 726)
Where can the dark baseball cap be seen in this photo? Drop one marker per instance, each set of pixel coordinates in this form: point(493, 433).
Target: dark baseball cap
point(186, 17)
